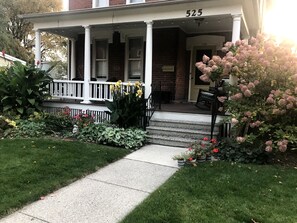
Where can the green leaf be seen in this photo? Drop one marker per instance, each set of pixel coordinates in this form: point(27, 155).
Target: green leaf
point(19, 101)
point(20, 110)
point(32, 101)
point(29, 91)
point(7, 107)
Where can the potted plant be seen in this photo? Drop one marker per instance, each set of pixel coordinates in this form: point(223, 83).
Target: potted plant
point(187, 157)
point(204, 148)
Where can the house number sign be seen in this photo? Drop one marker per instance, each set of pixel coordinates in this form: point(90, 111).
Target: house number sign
point(193, 12)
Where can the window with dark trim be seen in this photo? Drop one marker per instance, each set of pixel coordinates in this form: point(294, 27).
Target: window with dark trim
point(101, 59)
point(135, 58)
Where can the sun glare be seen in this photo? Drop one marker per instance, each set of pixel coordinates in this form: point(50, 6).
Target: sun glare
point(280, 20)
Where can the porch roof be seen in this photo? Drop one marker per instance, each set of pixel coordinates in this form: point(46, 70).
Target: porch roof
point(70, 23)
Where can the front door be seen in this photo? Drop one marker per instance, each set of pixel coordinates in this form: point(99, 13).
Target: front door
point(195, 82)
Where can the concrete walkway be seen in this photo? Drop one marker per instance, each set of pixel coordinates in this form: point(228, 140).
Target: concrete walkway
point(106, 196)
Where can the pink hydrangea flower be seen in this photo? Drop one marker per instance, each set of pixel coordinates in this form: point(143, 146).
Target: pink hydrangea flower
point(268, 143)
point(247, 93)
point(268, 149)
point(240, 139)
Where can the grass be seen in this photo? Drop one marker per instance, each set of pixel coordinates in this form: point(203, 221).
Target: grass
point(223, 192)
point(33, 168)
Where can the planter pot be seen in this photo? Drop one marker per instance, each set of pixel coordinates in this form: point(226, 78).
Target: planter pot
point(214, 158)
point(192, 162)
point(181, 163)
point(201, 159)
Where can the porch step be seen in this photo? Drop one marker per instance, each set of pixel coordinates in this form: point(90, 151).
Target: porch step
point(169, 141)
point(179, 130)
point(182, 124)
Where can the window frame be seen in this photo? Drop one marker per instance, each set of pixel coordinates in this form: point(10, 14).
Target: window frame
point(127, 59)
point(129, 2)
point(95, 59)
point(94, 5)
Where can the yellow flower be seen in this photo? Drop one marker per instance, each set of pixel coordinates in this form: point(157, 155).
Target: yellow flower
point(137, 84)
point(126, 93)
point(118, 84)
point(112, 88)
point(10, 122)
point(139, 93)
point(129, 84)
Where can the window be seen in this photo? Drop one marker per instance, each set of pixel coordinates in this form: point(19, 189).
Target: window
point(135, 1)
point(100, 3)
point(101, 59)
point(135, 58)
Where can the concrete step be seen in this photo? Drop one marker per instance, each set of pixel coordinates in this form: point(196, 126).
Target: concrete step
point(181, 124)
point(178, 132)
point(169, 141)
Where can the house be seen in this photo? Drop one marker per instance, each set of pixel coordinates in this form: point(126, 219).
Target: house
point(6, 60)
point(156, 42)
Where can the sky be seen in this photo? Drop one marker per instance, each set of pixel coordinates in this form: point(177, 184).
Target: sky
point(281, 20)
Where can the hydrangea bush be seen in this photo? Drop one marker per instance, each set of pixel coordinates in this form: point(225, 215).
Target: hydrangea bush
point(263, 101)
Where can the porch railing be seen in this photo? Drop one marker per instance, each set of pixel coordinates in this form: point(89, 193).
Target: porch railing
point(98, 91)
point(66, 89)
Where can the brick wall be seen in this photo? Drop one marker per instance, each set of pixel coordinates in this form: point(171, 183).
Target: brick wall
point(79, 4)
point(164, 53)
point(82, 4)
point(117, 2)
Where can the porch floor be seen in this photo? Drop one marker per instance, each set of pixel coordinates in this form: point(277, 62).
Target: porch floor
point(183, 108)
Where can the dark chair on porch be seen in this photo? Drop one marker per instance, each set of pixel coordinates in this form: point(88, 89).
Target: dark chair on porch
point(206, 99)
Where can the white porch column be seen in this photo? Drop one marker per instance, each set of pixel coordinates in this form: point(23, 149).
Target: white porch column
point(236, 28)
point(149, 58)
point(37, 48)
point(73, 64)
point(87, 65)
point(235, 37)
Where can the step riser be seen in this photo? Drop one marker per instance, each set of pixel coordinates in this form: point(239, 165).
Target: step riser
point(168, 143)
point(175, 125)
point(180, 134)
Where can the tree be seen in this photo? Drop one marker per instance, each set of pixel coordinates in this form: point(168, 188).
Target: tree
point(17, 36)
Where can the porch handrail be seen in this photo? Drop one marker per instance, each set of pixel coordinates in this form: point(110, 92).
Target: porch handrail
point(66, 89)
point(73, 89)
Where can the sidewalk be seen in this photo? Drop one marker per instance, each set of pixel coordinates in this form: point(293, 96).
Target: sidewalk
point(107, 195)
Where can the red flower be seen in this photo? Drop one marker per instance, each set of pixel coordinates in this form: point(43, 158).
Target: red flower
point(205, 139)
point(215, 150)
point(190, 159)
point(190, 149)
point(214, 141)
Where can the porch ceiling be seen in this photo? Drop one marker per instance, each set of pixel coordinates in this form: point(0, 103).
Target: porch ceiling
point(222, 23)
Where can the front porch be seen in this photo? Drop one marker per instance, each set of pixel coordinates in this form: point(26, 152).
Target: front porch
point(160, 45)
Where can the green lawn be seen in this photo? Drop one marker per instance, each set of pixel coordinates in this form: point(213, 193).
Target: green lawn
point(33, 168)
point(223, 193)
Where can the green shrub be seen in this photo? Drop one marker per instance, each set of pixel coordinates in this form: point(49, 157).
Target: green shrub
point(28, 129)
point(22, 89)
point(6, 125)
point(58, 122)
point(246, 152)
point(91, 133)
point(100, 133)
point(127, 105)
